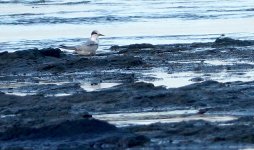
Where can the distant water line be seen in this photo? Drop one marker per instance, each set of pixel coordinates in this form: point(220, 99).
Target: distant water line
point(49, 23)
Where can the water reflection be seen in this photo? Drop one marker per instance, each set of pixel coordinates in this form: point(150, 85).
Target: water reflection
point(146, 118)
point(97, 86)
point(179, 79)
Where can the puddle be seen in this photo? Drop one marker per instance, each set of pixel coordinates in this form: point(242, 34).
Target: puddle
point(219, 62)
point(15, 88)
point(180, 79)
point(10, 85)
point(216, 62)
point(248, 148)
point(146, 118)
point(7, 116)
point(157, 76)
point(246, 112)
point(97, 86)
point(19, 93)
point(170, 80)
point(58, 95)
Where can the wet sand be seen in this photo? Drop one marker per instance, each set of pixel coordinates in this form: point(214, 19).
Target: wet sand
point(55, 100)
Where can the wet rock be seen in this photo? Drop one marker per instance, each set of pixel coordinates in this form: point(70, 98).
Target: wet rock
point(86, 115)
point(52, 67)
point(134, 141)
point(50, 119)
point(109, 61)
point(143, 85)
point(115, 141)
point(140, 46)
point(113, 61)
point(203, 110)
point(124, 141)
point(133, 46)
point(205, 133)
point(197, 79)
point(114, 47)
point(134, 49)
point(32, 54)
point(64, 129)
point(51, 52)
point(28, 60)
point(226, 41)
point(16, 148)
point(46, 89)
point(55, 61)
point(127, 61)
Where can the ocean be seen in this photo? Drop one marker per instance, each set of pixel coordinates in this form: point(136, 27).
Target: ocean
point(26, 24)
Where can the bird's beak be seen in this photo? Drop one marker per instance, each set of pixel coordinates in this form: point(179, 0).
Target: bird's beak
point(101, 35)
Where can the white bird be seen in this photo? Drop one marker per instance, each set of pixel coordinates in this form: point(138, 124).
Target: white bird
point(89, 47)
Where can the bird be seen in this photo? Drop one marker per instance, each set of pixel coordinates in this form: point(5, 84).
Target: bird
point(203, 110)
point(89, 47)
point(222, 36)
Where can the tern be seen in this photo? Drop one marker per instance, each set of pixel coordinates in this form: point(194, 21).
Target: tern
point(89, 47)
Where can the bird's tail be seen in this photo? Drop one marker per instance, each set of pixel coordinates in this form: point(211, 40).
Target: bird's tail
point(68, 47)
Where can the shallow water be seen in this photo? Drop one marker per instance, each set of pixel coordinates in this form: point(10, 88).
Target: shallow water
point(156, 76)
point(146, 118)
point(48, 23)
point(160, 77)
point(98, 86)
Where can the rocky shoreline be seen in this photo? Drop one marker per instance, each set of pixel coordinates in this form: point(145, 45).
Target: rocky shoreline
point(42, 120)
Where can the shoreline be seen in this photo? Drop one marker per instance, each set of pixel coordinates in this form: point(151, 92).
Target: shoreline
point(37, 116)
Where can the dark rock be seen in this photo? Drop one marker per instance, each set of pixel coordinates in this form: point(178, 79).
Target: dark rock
point(21, 62)
point(203, 110)
point(197, 79)
point(16, 148)
point(140, 46)
point(3, 53)
point(114, 47)
point(133, 141)
point(64, 129)
point(127, 61)
point(51, 52)
point(61, 121)
point(32, 54)
point(52, 89)
point(86, 115)
point(123, 141)
point(229, 41)
point(143, 85)
point(52, 67)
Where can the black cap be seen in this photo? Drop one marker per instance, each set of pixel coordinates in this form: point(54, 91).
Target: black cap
point(94, 32)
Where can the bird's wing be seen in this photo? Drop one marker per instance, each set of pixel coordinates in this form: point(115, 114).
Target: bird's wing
point(68, 47)
point(91, 43)
point(89, 46)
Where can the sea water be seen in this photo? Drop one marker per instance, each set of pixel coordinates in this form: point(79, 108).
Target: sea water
point(28, 24)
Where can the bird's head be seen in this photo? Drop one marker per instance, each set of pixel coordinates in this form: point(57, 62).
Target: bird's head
point(96, 33)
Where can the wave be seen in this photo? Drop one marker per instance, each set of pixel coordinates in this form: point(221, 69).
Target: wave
point(57, 20)
point(42, 2)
